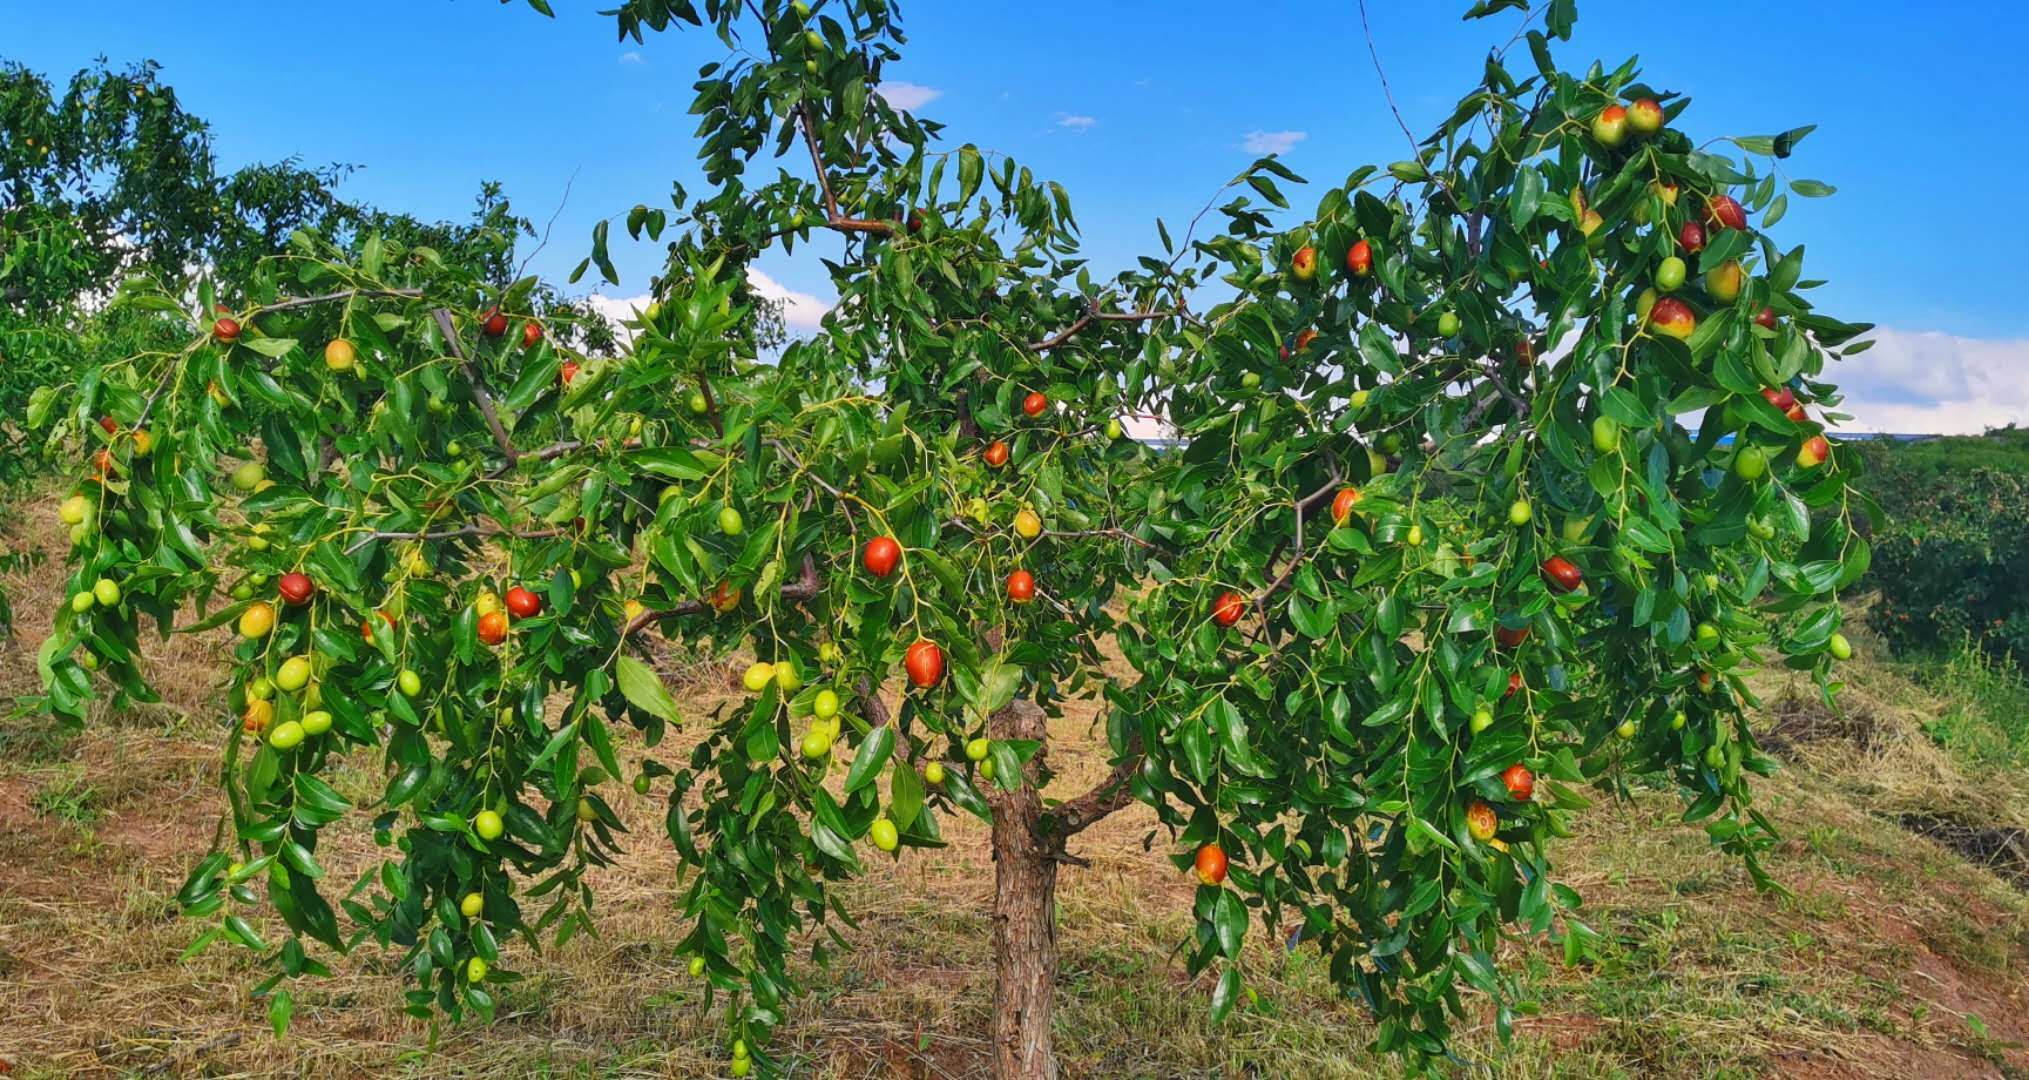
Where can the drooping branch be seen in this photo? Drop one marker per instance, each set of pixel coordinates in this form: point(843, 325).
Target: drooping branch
point(477, 382)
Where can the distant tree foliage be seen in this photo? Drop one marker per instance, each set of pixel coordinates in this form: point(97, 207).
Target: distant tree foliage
point(109, 177)
point(1951, 556)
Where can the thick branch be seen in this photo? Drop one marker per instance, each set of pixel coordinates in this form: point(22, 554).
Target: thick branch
point(478, 383)
point(1113, 793)
point(1479, 408)
point(871, 703)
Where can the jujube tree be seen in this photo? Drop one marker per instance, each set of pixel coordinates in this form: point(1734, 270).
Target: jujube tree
point(1435, 550)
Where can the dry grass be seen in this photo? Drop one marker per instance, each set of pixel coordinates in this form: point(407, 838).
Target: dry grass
point(1891, 955)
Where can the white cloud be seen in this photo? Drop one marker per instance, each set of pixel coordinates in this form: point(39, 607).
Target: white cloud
point(1273, 142)
point(907, 96)
point(1079, 124)
point(801, 311)
point(617, 310)
point(630, 57)
point(1928, 382)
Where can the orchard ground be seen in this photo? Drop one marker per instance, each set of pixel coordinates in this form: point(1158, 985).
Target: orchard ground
point(1893, 954)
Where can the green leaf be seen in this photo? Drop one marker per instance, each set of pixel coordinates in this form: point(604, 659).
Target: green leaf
point(970, 168)
point(1378, 348)
point(905, 794)
point(873, 754)
point(1525, 196)
point(1811, 189)
point(1621, 404)
point(281, 1006)
point(1787, 270)
point(274, 348)
point(1225, 992)
point(1562, 17)
point(644, 690)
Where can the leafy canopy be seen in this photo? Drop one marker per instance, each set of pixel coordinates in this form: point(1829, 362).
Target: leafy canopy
point(1539, 563)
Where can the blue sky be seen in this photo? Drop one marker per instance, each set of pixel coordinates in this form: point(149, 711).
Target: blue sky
point(1143, 109)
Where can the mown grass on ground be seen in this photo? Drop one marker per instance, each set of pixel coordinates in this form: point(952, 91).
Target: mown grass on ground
point(1891, 954)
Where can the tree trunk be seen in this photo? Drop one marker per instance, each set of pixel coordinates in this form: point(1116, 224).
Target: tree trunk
point(1024, 917)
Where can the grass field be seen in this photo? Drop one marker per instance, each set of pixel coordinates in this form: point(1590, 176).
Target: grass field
point(1900, 949)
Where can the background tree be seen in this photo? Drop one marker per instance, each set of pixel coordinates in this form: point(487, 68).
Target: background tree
point(1437, 551)
point(1952, 549)
point(111, 176)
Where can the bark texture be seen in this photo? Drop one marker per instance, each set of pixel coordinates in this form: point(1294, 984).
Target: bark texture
point(1024, 916)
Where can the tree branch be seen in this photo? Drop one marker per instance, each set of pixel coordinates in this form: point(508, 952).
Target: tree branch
point(1298, 555)
point(448, 534)
point(803, 588)
point(289, 303)
point(478, 383)
point(832, 218)
point(1074, 816)
point(1521, 407)
point(1092, 315)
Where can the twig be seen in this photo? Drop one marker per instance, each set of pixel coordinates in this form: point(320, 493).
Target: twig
point(797, 464)
point(704, 386)
point(561, 203)
point(1115, 533)
point(230, 1038)
point(478, 383)
point(1385, 91)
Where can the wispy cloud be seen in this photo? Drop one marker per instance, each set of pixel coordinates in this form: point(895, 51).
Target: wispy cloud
point(907, 96)
point(1272, 142)
point(1079, 124)
point(630, 57)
